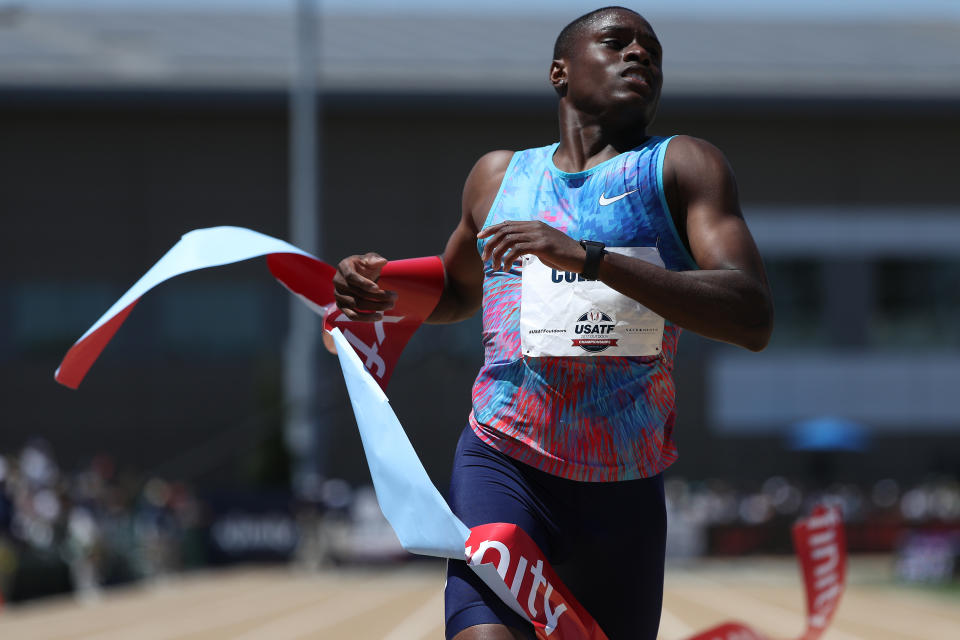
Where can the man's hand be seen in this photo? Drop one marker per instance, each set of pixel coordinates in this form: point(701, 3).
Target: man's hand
point(356, 290)
point(508, 241)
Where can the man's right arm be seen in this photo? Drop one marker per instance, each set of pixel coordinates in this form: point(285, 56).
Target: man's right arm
point(463, 268)
point(360, 298)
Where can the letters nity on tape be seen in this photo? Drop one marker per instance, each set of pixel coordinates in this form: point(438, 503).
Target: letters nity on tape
point(536, 592)
point(822, 554)
point(501, 554)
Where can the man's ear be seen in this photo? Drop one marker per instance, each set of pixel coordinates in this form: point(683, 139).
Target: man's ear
point(558, 76)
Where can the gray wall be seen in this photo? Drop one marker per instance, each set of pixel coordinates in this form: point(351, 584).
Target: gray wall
point(96, 187)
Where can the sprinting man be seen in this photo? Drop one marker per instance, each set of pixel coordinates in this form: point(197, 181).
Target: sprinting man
point(587, 257)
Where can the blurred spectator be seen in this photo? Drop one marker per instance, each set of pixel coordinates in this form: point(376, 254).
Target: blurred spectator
point(82, 531)
point(93, 528)
point(715, 517)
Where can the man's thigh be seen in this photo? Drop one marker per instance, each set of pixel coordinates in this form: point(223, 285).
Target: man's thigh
point(605, 540)
point(491, 632)
point(486, 487)
point(615, 568)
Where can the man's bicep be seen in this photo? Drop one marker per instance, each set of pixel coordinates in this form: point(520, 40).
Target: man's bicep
point(463, 267)
point(718, 235)
point(722, 240)
point(463, 287)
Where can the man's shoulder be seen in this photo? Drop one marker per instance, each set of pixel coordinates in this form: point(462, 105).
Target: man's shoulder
point(692, 162)
point(489, 171)
point(688, 153)
point(491, 167)
point(481, 186)
point(684, 145)
point(493, 162)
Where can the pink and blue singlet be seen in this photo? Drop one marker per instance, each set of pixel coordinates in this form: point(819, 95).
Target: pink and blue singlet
point(596, 419)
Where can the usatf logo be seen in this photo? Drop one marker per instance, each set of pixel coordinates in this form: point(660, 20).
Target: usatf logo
point(596, 327)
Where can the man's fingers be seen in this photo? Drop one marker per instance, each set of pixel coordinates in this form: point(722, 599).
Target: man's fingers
point(362, 317)
point(371, 264)
point(507, 252)
point(361, 304)
point(489, 231)
point(356, 293)
point(361, 272)
point(495, 232)
point(510, 225)
point(512, 231)
point(373, 257)
point(496, 257)
point(356, 309)
point(494, 241)
point(368, 288)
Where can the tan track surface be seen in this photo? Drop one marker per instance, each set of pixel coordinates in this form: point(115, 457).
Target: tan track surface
point(406, 603)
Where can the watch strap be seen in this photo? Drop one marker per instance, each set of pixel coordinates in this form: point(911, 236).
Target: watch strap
point(591, 264)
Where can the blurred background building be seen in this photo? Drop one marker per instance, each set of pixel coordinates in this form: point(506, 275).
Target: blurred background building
point(122, 126)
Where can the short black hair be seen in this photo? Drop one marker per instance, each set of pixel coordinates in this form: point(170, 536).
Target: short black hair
point(568, 35)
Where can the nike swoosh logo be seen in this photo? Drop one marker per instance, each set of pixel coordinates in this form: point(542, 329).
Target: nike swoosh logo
point(605, 201)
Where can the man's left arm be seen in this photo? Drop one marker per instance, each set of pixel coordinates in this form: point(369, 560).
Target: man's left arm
point(728, 299)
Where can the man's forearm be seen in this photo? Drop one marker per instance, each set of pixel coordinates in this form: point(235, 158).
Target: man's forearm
point(723, 304)
point(454, 305)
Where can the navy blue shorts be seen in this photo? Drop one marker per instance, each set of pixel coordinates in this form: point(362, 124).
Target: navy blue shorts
point(605, 540)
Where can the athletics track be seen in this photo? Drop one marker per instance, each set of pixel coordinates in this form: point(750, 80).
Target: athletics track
point(405, 603)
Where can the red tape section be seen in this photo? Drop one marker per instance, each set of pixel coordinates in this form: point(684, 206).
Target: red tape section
point(417, 281)
point(84, 353)
point(539, 592)
point(819, 542)
point(821, 549)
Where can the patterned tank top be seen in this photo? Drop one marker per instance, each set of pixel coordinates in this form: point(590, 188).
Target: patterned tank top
point(597, 419)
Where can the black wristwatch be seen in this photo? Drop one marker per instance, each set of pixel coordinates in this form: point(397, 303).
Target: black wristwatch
point(591, 265)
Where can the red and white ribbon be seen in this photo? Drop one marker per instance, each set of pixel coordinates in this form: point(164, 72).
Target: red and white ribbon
point(503, 555)
point(822, 554)
point(530, 586)
point(418, 281)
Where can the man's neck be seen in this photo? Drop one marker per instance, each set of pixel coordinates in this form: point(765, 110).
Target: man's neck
point(586, 142)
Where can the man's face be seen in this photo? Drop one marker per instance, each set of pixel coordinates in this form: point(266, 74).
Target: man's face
point(616, 64)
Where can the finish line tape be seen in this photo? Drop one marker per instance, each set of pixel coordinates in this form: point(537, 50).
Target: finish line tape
point(502, 555)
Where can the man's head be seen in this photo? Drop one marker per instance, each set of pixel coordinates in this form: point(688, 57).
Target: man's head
point(609, 60)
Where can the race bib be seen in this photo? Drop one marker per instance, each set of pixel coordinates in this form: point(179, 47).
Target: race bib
point(561, 314)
